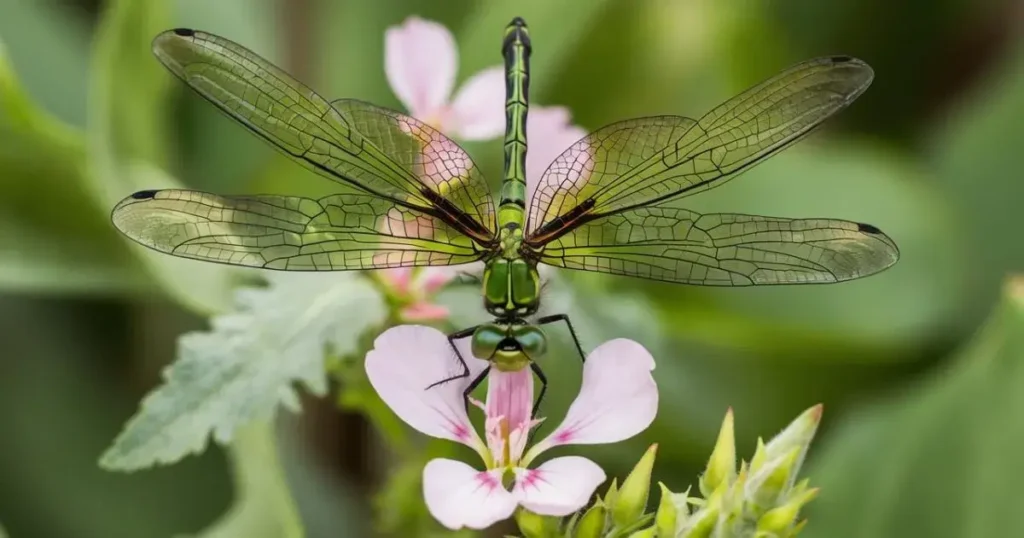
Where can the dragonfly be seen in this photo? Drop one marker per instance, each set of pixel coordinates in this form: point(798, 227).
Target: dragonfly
point(411, 197)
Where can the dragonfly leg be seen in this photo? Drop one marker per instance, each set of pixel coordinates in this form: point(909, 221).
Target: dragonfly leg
point(543, 388)
point(472, 386)
point(465, 333)
point(540, 397)
point(562, 317)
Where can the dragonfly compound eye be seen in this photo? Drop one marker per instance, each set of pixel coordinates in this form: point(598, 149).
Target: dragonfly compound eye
point(486, 340)
point(532, 341)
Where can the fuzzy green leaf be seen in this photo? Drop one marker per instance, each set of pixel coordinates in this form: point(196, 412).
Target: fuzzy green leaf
point(240, 370)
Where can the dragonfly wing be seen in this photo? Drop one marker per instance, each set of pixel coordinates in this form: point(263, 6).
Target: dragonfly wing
point(649, 160)
point(399, 163)
point(435, 159)
point(338, 232)
point(722, 249)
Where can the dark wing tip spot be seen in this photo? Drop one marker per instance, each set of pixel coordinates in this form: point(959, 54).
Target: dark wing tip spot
point(184, 32)
point(841, 59)
point(144, 195)
point(868, 229)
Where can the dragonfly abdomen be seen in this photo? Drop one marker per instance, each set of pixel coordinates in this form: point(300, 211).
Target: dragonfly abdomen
point(516, 50)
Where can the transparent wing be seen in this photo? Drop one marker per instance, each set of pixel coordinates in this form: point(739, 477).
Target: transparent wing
point(338, 232)
point(375, 150)
point(676, 245)
point(649, 160)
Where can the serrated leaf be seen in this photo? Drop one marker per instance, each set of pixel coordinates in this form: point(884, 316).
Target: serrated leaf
point(240, 370)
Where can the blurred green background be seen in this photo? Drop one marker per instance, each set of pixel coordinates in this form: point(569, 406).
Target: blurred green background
point(922, 429)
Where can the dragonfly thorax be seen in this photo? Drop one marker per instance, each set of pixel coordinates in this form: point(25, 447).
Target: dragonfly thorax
point(511, 287)
point(510, 347)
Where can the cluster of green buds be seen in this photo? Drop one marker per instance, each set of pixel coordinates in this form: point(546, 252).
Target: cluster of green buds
point(756, 499)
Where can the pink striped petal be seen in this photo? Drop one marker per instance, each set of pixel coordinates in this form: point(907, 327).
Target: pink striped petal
point(559, 487)
point(618, 398)
point(459, 496)
point(404, 361)
point(510, 395)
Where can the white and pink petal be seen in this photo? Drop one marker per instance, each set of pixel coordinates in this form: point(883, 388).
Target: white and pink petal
point(478, 110)
point(558, 487)
point(549, 132)
point(420, 61)
point(460, 496)
point(404, 361)
point(618, 398)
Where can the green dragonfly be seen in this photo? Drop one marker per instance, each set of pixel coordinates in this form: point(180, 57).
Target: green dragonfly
point(413, 197)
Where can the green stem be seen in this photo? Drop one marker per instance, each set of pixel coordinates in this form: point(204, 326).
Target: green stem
point(263, 503)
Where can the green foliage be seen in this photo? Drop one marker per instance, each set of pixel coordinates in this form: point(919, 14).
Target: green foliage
point(761, 499)
point(558, 26)
point(262, 507)
point(127, 139)
point(939, 459)
point(975, 155)
point(239, 371)
point(57, 241)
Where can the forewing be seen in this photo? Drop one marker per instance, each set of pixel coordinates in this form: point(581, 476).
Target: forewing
point(722, 249)
point(289, 233)
point(437, 161)
point(408, 162)
point(650, 160)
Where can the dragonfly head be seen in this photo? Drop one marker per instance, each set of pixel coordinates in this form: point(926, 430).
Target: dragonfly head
point(509, 347)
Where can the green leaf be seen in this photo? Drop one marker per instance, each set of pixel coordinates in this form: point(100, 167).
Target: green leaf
point(941, 458)
point(52, 238)
point(127, 131)
point(262, 508)
point(978, 164)
point(48, 44)
point(240, 370)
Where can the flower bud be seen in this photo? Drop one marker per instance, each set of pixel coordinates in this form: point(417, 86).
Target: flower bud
point(702, 523)
point(613, 491)
point(798, 434)
point(631, 499)
point(665, 518)
point(722, 464)
point(782, 518)
point(591, 525)
point(535, 525)
point(764, 489)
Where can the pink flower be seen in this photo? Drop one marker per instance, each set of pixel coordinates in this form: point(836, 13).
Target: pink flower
point(421, 60)
point(412, 290)
point(549, 132)
point(618, 399)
